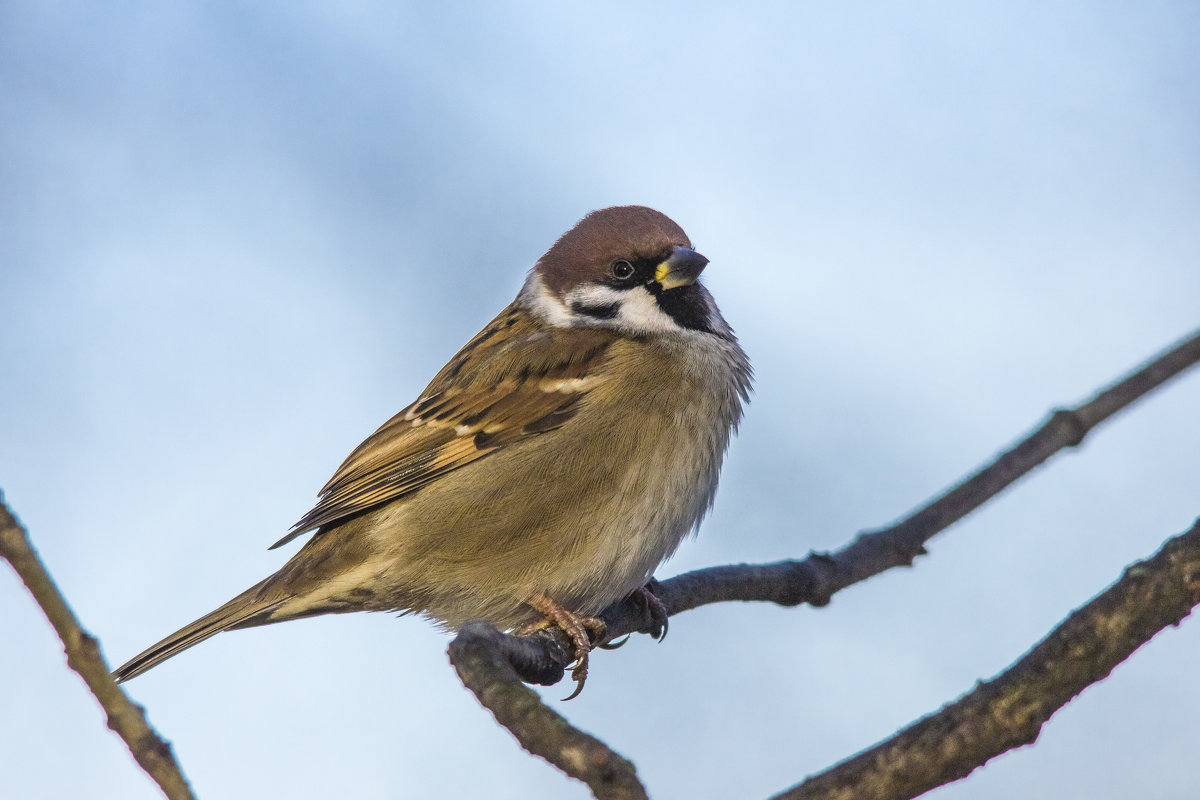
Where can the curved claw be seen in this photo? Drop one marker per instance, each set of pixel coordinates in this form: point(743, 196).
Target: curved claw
point(654, 610)
point(614, 645)
point(578, 686)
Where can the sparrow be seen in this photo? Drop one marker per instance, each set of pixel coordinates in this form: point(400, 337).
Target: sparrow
point(547, 470)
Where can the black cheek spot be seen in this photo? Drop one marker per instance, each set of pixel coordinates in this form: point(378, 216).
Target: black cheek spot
point(604, 311)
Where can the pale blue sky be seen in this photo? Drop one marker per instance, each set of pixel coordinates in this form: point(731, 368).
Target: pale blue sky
point(234, 240)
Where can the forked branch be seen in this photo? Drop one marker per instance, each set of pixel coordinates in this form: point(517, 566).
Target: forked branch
point(815, 579)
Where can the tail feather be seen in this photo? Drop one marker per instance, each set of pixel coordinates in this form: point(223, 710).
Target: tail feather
point(244, 611)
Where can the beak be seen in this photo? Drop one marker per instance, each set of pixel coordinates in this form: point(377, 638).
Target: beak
point(681, 268)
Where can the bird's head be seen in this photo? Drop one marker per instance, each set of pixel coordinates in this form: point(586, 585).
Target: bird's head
point(626, 267)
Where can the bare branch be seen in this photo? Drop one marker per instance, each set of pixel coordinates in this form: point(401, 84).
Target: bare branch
point(815, 579)
point(484, 657)
point(899, 544)
point(83, 655)
point(818, 577)
point(1009, 711)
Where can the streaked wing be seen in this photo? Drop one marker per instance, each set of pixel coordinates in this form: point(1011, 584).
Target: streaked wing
point(514, 380)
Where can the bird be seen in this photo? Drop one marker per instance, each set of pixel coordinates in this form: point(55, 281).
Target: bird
point(545, 472)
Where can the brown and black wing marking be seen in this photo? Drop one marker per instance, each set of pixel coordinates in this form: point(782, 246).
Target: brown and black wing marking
point(479, 403)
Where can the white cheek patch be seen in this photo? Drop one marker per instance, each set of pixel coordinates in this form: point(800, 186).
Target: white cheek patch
point(640, 313)
point(636, 310)
point(543, 304)
point(594, 295)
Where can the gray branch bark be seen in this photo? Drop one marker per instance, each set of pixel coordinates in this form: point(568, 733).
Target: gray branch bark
point(542, 657)
point(1008, 711)
point(125, 717)
point(999, 715)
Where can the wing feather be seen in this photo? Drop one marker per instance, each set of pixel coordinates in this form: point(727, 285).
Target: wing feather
point(514, 380)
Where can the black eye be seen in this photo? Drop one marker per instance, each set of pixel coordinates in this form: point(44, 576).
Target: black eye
point(622, 270)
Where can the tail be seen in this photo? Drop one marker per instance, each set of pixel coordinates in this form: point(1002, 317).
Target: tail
point(244, 611)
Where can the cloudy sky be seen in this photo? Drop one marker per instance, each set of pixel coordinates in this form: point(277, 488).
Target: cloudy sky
point(234, 240)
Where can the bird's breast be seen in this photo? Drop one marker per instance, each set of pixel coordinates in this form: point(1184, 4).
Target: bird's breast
point(586, 512)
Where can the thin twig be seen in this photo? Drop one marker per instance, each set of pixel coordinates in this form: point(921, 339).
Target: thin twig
point(83, 655)
point(817, 578)
point(1065, 428)
point(1009, 711)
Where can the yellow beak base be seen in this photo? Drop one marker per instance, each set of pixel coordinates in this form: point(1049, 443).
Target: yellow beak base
point(682, 268)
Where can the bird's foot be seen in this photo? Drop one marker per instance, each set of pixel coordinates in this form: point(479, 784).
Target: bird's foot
point(653, 611)
point(582, 631)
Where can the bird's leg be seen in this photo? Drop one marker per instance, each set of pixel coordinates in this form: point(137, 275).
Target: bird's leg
point(581, 630)
point(653, 610)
